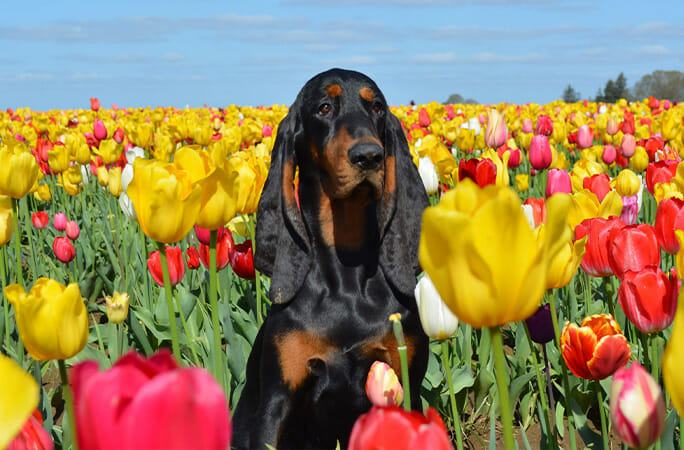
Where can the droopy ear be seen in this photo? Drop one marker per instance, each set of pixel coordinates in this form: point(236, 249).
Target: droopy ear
point(282, 242)
point(404, 200)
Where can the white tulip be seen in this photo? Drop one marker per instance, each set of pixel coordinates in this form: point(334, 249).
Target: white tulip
point(127, 206)
point(437, 319)
point(428, 174)
point(133, 153)
point(126, 176)
point(529, 215)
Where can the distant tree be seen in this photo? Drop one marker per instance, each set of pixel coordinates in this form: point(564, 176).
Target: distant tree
point(570, 95)
point(614, 90)
point(600, 96)
point(664, 84)
point(458, 98)
point(621, 90)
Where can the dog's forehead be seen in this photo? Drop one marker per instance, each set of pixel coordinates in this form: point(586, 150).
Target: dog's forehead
point(340, 82)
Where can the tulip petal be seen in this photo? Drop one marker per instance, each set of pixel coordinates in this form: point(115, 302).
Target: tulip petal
point(18, 397)
point(611, 353)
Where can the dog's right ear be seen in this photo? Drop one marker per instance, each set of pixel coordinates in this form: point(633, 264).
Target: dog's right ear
point(282, 241)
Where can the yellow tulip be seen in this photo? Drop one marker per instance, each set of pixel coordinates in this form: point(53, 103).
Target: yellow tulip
point(43, 193)
point(58, 158)
point(502, 176)
point(673, 357)
point(19, 396)
point(639, 160)
point(627, 183)
point(479, 250)
point(102, 176)
point(109, 151)
point(117, 307)
point(18, 171)
point(165, 199)
point(51, 318)
point(114, 181)
point(522, 182)
point(6, 219)
point(78, 148)
point(662, 191)
point(680, 254)
point(248, 181)
point(585, 205)
point(582, 169)
point(71, 180)
point(565, 258)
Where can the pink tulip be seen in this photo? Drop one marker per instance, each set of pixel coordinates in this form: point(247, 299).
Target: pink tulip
point(72, 230)
point(628, 145)
point(527, 125)
point(267, 131)
point(99, 130)
point(382, 385)
point(585, 137)
point(63, 249)
point(630, 209)
point(544, 125)
point(540, 152)
point(94, 103)
point(149, 403)
point(612, 127)
point(496, 133)
point(59, 221)
point(558, 180)
point(118, 135)
point(609, 154)
point(637, 409)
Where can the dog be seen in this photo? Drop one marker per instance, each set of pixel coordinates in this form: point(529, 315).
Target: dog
point(341, 251)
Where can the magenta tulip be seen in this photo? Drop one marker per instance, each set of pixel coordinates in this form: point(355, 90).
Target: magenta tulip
point(540, 152)
point(585, 137)
point(558, 180)
point(609, 154)
point(59, 221)
point(99, 130)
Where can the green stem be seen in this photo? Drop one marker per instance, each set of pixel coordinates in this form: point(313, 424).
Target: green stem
point(566, 379)
point(655, 357)
point(17, 245)
point(403, 358)
point(5, 302)
point(144, 256)
point(502, 385)
point(602, 410)
point(169, 304)
point(455, 415)
point(188, 334)
point(551, 431)
point(68, 397)
point(213, 301)
point(29, 235)
point(257, 276)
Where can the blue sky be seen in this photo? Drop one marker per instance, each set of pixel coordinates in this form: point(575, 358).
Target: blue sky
point(149, 52)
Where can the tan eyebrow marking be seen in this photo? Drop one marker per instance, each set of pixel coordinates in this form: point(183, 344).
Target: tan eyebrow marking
point(333, 90)
point(367, 94)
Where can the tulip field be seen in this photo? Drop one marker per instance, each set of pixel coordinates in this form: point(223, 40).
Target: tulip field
point(552, 250)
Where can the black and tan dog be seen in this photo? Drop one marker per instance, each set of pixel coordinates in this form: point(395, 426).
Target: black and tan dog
point(341, 261)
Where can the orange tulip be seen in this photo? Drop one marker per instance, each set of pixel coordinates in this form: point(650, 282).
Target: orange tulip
point(596, 349)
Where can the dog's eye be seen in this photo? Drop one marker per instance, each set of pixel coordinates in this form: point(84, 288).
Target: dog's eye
point(324, 109)
point(377, 107)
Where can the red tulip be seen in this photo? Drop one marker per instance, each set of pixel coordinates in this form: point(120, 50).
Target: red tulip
point(538, 210)
point(627, 126)
point(558, 181)
point(224, 249)
point(599, 184)
point(174, 260)
point(540, 152)
point(424, 118)
point(72, 230)
point(544, 125)
point(99, 130)
point(32, 435)
point(649, 298)
point(633, 247)
point(94, 103)
point(118, 135)
point(609, 154)
point(149, 403)
point(40, 219)
point(514, 158)
point(660, 172)
point(192, 258)
point(595, 260)
point(585, 137)
point(59, 221)
point(242, 260)
point(481, 171)
point(669, 217)
point(392, 428)
point(203, 234)
point(63, 249)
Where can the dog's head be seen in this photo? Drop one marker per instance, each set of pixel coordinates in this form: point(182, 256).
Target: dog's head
point(346, 144)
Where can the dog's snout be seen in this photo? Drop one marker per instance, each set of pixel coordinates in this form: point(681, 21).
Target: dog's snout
point(366, 156)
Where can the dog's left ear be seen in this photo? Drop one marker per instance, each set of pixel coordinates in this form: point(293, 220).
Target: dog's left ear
point(404, 200)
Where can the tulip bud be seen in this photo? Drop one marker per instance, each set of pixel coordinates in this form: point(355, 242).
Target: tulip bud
point(224, 250)
point(117, 307)
point(114, 183)
point(637, 409)
point(95, 103)
point(203, 234)
point(428, 174)
point(544, 125)
point(40, 219)
point(497, 132)
point(192, 258)
point(639, 161)
point(612, 126)
point(609, 154)
point(437, 320)
point(585, 137)
point(527, 125)
point(628, 145)
point(174, 261)
point(540, 324)
point(242, 260)
point(382, 385)
point(63, 249)
point(6, 220)
point(118, 135)
point(522, 182)
point(99, 130)
point(59, 221)
point(540, 152)
point(558, 180)
point(627, 183)
point(43, 193)
point(72, 230)
point(424, 118)
point(102, 176)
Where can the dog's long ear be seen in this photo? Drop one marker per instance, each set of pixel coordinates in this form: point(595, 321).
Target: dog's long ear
point(404, 200)
point(282, 242)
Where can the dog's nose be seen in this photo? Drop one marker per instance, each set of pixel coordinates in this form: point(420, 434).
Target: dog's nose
point(366, 156)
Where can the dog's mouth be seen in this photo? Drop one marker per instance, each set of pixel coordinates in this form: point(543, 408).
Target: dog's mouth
point(359, 183)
